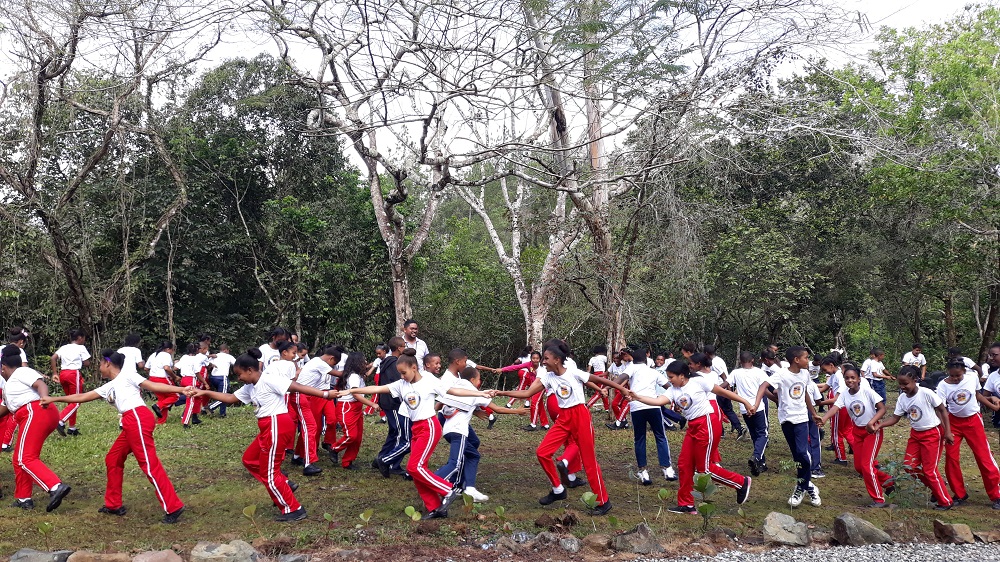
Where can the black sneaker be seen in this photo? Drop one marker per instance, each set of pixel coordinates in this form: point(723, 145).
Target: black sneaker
point(195, 419)
point(602, 509)
point(957, 501)
point(889, 489)
point(24, 504)
point(563, 473)
point(156, 411)
point(297, 515)
point(754, 467)
point(530, 428)
point(552, 497)
point(334, 456)
point(493, 420)
point(327, 446)
point(383, 467)
point(942, 507)
point(311, 470)
point(613, 426)
point(375, 462)
point(292, 486)
point(56, 496)
point(351, 467)
point(186, 426)
point(743, 493)
point(119, 511)
point(5, 448)
point(298, 461)
point(448, 499)
point(829, 448)
point(683, 509)
point(434, 514)
point(61, 428)
point(841, 462)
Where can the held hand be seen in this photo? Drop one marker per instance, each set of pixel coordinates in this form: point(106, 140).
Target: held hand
point(949, 438)
point(751, 410)
point(55, 377)
point(491, 394)
point(820, 422)
point(191, 392)
point(343, 393)
point(870, 428)
point(46, 400)
point(604, 392)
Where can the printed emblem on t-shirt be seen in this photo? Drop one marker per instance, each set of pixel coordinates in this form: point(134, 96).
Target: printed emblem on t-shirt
point(796, 391)
point(960, 397)
point(684, 401)
point(857, 409)
point(564, 390)
point(111, 396)
point(412, 400)
point(915, 414)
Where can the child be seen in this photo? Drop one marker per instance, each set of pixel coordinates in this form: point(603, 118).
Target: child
point(219, 381)
point(189, 366)
point(960, 393)
point(17, 336)
point(915, 357)
point(132, 353)
point(124, 391)
point(874, 370)
point(865, 408)
point(72, 357)
point(417, 393)
point(350, 412)
point(746, 380)
point(929, 428)
point(718, 366)
point(526, 375)
point(308, 411)
point(689, 393)
point(620, 403)
point(266, 391)
point(598, 366)
point(161, 371)
point(381, 350)
point(23, 391)
point(573, 422)
point(269, 351)
point(795, 409)
point(648, 382)
point(841, 429)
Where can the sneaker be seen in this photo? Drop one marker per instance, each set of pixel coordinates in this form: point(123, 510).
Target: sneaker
point(668, 473)
point(669, 425)
point(546, 427)
point(818, 473)
point(119, 511)
point(383, 467)
point(327, 447)
point(56, 496)
point(940, 507)
point(796, 499)
point(448, 499)
point(298, 461)
point(881, 505)
point(576, 483)
point(996, 504)
point(156, 411)
point(602, 509)
point(186, 426)
point(763, 466)
point(754, 467)
point(351, 466)
point(195, 419)
point(292, 486)
point(741, 433)
point(61, 428)
point(297, 515)
point(957, 501)
point(829, 448)
point(743, 492)
point(173, 516)
point(841, 462)
point(889, 489)
point(552, 497)
point(814, 495)
point(24, 504)
point(334, 456)
point(530, 428)
point(311, 470)
point(476, 495)
point(5, 448)
point(434, 514)
point(493, 420)
point(684, 509)
point(613, 426)
point(643, 477)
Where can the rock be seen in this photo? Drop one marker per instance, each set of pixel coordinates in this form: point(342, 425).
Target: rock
point(569, 518)
point(954, 533)
point(821, 538)
point(507, 544)
point(570, 544)
point(597, 543)
point(850, 530)
point(987, 536)
point(784, 529)
point(545, 538)
point(293, 558)
point(903, 531)
point(274, 546)
point(545, 521)
point(521, 537)
point(157, 556)
point(429, 527)
point(640, 540)
point(31, 555)
point(87, 556)
point(351, 554)
point(235, 551)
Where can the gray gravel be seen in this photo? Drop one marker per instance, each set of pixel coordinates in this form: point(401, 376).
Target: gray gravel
point(873, 553)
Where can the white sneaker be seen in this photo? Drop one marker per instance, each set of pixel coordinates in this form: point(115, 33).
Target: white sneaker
point(669, 474)
point(476, 495)
point(643, 476)
point(796, 499)
point(814, 495)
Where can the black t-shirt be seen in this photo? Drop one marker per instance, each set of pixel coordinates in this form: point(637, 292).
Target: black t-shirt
point(388, 375)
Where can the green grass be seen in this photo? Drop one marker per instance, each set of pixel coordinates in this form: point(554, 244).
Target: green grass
point(205, 468)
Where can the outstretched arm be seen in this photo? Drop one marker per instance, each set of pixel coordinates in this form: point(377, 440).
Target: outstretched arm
point(161, 388)
point(72, 398)
point(381, 389)
point(725, 393)
point(607, 382)
point(212, 395)
point(303, 389)
point(535, 388)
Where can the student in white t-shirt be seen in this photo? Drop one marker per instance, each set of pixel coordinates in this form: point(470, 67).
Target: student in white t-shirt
point(598, 366)
point(71, 357)
point(745, 381)
point(132, 353)
point(874, 370)
point(419, 346)
point(222, 362)
point(269, 351)
point(929, 430)
point(124, 391)
point(646, 381)
point(17, 336)
point(350, 411)
point(955, 353)
point(992, 385)
point(915, 357)
point(188, 366)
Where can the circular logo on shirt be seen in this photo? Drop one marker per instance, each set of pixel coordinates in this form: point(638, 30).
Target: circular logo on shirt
point(857, 409)
point(564, 390)
point(412, 400)
point(960, 397)
point(796, 391)
point(914, 414)
point(111, 396)
point(684, 401)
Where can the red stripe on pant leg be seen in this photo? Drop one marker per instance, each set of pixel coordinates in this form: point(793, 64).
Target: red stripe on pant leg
point(582, 426)
point(37, 422)
point(69, 380)
point(114, 463)
point(975, 436)
point(189, 403)
point(138, 426)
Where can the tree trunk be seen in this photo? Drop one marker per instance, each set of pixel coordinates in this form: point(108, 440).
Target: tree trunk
point(400, 292)
point(992, 319)
point(951, 337)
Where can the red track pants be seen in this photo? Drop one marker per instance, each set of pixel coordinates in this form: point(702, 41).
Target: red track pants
point(573, 424)
point(136, 438)
point(72, 383)
point(841, 430)
point(7, 428)
point(305, 415)
point(354, 427)
point(923, 452)
point(600, 396)
point(971, 429)
point(264, 456)
point(424, 436)
point(36, 422)
point(191, 405)
point(866, 447)
point(164, 400)
point(527, 377)
point(700, 454)
point(620, 407)
point(331, 417)
point(538, 416)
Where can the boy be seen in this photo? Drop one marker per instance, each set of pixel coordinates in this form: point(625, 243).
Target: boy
point(874, 370)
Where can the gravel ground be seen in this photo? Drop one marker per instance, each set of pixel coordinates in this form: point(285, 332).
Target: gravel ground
point(872, 553)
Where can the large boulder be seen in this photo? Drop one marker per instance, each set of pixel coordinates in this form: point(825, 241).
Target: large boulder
point(87, 556)
point(640, 540)
point(953, 533)
point(235, 551)
point(32, 555)
point(785, 530)
point(597, 543)
point(850, 530)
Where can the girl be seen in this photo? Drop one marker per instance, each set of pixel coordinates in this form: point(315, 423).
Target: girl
point(23, 390)
point(266, 391)
point(841, 430)
point(315, 373)
point(381, 350)
point(417, 393)
point(619, 405)
point(132, 353)
point(746, 380)
point(161, 372)
point(72, 357)
point(874, 370)
point(960, 392)
point(598, 366)
point(189, 366)
point(350, 412)
point(929, 428)
point(222, 363)
point(865, 408)
point(17, 336)
point(124, 391)
point(396, 437)
point(269, 351)
point(648, 382)
point(573, 421)
point(526, 375)
point(689, 393)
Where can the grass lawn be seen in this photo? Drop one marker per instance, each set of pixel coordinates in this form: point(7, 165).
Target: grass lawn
point(205, 468)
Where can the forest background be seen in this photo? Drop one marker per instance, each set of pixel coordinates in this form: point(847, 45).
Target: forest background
point(503, 172)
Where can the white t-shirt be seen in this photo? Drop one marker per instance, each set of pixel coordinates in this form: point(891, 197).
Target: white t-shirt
point(457, 420)
point(814, 372)
point(314, 373)
point(568, 388)
point(354, 380)
point(648, 382)
point(871, 369)
point(919, 409)
point(420, 346)
point(17, 390)
point(746, 383)
point(223, 363)
point(268, 354)
point(377, 364)
point(24, 360)
point(720, 368)
point(992, 384)
point(157, 362)
point(917, 360)
point(188, 365)
point(202, 361)
point(132, 359)
point(72, 356)
point(713, 378)
point(123, 391)
point(598, 363)
point(791, 389)
point(419, 396)
point(861, 406)
point(282, 367)
point(813, 389)
point(649, 361)
point(614, 371)
point(960, 399)
point(267, 395)
point(693, 397)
